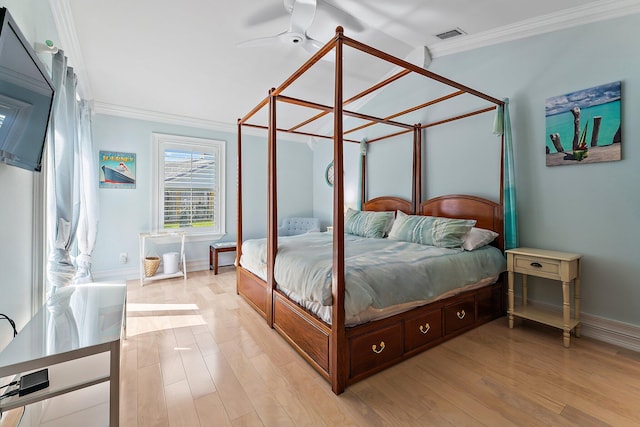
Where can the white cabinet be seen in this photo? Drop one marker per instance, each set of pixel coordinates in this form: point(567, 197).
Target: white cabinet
point(154, 241)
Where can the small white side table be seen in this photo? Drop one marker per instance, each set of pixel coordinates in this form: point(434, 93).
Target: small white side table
point(161, 238)
point(561, 266)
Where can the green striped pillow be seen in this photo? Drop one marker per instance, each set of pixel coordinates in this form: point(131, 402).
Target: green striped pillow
point(367, 224)
point(430, 230)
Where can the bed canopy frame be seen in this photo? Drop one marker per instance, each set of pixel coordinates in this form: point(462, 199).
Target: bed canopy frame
point(326, 347)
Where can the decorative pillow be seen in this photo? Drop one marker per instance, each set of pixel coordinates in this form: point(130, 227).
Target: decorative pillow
point(412, 228)
point(450, 232)
point(367, 224)
point(430, 230)
point(477, 238)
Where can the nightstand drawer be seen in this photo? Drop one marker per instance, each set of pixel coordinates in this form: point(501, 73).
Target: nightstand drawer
point(535, 266)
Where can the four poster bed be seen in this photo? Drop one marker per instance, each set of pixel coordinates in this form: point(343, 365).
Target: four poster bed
point(348, 327)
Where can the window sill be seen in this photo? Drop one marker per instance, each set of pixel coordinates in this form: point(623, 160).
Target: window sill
point(203, 237)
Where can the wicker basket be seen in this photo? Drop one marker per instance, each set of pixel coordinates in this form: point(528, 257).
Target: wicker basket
point(151, 264)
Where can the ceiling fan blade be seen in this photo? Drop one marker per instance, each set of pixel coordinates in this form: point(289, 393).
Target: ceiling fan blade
point(302, 15)
point(263, 41)
point(312, 46)
point(343, 17)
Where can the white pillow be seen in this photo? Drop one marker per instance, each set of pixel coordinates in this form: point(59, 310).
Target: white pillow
point(477, 238)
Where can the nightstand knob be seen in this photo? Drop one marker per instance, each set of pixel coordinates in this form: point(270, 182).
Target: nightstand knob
point(536, 265)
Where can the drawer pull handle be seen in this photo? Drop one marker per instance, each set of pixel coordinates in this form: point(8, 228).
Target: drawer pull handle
point(375, 348)
point(424, 329)
point(461, 314)
point(536, 265)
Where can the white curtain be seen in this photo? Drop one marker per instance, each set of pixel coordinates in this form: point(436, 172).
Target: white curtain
point(64, 174)
point(88, 221)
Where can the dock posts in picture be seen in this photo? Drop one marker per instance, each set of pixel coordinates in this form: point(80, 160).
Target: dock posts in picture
point(584, 126)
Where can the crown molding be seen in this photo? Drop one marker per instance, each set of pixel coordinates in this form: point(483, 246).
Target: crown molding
point(155, 116)
point(178, 120)
point(69, 43)
point(593, 12)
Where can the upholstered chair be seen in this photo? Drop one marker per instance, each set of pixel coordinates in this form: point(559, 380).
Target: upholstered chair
point(293, 226)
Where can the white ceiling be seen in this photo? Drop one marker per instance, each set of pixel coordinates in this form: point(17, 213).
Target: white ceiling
point(178, 61)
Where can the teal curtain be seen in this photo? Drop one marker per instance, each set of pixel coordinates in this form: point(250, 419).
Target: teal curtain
point(502, 125)
point(363, 154)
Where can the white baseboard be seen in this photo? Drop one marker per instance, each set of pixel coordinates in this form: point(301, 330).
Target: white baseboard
point(611, 331)
point(133, 272)
point(602, 329)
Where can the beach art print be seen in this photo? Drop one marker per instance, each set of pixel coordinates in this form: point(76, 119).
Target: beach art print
point(584, 126)
point(117, 170)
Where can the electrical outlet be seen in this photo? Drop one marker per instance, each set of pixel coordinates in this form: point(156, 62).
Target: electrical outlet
point(123, 257)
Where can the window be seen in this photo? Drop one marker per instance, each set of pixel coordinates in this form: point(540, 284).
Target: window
point(189, 185)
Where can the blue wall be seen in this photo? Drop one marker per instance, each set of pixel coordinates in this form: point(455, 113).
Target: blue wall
point(124, 213)
point(591, 209)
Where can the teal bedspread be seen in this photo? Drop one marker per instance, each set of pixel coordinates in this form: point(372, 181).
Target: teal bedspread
point(379, 273)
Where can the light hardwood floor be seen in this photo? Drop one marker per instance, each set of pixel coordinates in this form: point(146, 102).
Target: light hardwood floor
point(198, 355)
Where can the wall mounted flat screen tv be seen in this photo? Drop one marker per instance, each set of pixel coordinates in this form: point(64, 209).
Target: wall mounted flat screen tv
point(26, 98)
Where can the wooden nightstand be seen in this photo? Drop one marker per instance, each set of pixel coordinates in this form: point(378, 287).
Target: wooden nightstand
point(561, 266)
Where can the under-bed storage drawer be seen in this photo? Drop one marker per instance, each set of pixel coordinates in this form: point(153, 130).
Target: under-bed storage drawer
point(422, 329)
point(375, 349)
point(301, 332)
point(489, 303)
point(253, 290)
point(459, 315)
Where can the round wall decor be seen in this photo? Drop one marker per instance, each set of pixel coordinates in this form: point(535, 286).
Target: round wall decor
point(328, 174)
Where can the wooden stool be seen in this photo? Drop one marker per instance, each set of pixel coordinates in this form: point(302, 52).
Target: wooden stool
point(215, 249)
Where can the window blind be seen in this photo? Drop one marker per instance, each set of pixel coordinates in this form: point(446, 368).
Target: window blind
point(189, 189)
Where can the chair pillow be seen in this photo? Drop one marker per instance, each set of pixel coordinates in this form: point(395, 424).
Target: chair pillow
point(367, 224)
point(430, 230)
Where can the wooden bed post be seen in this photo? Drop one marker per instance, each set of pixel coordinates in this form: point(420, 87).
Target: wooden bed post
point(338, 343)
point(418, 173)
point(363, 180)
point(272, 206)
point(416, 184)
point(239, 204)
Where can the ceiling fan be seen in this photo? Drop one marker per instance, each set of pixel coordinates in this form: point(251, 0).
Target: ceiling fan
point(302, 14)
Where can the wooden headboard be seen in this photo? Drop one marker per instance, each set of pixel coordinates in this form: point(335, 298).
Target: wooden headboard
point(384, 203)
point(488, 214)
